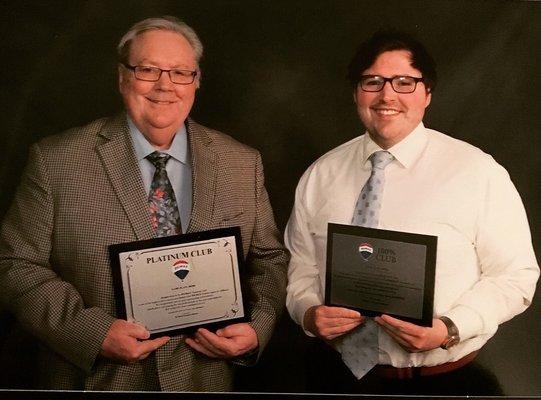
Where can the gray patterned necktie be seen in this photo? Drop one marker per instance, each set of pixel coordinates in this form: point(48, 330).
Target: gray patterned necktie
point(360, 348)
point(165, 216)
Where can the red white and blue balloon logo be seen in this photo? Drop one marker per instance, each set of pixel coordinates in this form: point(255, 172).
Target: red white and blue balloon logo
point(181, 269)
point(366, 251)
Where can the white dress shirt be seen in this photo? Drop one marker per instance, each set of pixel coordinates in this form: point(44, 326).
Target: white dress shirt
point(486, 269)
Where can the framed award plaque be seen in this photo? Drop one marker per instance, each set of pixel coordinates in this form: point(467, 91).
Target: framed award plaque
point(179, 283)
point(378, 271)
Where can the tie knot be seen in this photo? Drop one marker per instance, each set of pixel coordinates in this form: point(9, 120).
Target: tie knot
point(158, 159)
point(380, 159)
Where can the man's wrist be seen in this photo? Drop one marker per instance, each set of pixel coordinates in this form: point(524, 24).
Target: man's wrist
point(308, 320)
point(453, 336)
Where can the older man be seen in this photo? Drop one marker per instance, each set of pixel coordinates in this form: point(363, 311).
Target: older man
point(429, 183)
point(96, 185)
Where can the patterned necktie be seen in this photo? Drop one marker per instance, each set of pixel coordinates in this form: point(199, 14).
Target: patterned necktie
point(165, 216)
point(360, 348)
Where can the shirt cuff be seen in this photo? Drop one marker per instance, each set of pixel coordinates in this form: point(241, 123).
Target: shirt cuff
point(302, 305)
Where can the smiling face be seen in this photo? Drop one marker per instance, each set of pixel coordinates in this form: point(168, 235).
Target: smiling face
point(158, 108)
point(389, 116)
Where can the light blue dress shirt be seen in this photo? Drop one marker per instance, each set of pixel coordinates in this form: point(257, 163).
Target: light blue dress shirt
point(179, 167)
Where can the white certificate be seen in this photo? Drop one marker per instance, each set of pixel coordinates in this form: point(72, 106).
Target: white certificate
point(173, 283)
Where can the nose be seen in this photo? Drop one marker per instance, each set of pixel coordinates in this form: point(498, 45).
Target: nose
point(387, 92)
point(164, 82)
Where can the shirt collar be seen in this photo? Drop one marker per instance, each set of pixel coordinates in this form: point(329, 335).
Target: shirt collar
point(178, 149)
point(406, 152)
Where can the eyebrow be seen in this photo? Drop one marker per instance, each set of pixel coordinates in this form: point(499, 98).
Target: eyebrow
point(150, 63)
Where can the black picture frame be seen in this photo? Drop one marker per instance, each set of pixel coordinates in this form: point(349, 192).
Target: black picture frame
point(211, 236)
point(367, 235)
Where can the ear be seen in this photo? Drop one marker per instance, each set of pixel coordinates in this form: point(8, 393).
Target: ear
point(198, 78)
point(355, 94)
point(121, 77)
point(428, 98)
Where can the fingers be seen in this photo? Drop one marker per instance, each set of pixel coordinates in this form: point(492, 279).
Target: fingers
point(337, 312)
point(135, 330)
point(135, 350)
point(411, 337)
point(222, 347)
point(234, 330)
point(403, 340)
point(330, 322)
point(128, 342)
point(397, 324)
point(388, 323)
point(200, 348)
point(241, 339)
point(333, 333)
point(146, 347)
point(196, 345)
point(122, 327)
point(200, 342)
point(231, 341)
point(339, 322)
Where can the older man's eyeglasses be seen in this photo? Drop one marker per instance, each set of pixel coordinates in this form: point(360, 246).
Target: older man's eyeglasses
point(400, 84)
point(153, 74)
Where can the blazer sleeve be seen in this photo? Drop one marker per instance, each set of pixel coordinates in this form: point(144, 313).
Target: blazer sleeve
point(267, 261)
point(30, 286)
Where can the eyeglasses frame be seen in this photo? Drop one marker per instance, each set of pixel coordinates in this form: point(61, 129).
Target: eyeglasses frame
point(390, 80)
point(133, 68)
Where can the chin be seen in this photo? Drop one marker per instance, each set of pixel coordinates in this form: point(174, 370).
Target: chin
point(163, 123)
point(385, 138)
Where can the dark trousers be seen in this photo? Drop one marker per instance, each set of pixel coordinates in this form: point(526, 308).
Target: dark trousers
point(326, 373)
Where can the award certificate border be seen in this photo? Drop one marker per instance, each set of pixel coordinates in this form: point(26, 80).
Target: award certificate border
point(186, 239)
point(430, 265)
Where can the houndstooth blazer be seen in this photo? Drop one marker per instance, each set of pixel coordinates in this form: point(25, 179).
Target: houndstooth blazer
point(82, 191)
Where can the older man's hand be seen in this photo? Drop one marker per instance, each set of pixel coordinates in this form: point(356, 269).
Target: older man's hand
point(128, 342)
point(229, 342)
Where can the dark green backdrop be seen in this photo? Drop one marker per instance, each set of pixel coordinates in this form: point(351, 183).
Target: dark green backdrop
point(274, 77)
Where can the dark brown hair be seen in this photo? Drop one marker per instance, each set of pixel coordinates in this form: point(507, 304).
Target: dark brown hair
point(390, 40)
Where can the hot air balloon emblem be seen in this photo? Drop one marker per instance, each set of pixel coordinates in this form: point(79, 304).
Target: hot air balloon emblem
point(366, 250)
point(181, 269)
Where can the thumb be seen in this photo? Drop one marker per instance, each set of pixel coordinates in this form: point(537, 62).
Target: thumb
point(234, 330)
point(137, 331)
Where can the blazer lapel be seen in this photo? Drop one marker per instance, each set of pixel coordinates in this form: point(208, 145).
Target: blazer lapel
point(203, 177)
point(120, 163)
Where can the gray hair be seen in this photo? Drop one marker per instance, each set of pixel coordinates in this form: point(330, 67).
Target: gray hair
point(165, 23)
